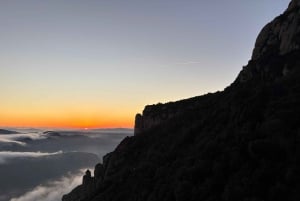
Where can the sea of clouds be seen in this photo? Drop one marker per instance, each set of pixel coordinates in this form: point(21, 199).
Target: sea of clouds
point(18, 139)
point(9, 155)
point(42, 166)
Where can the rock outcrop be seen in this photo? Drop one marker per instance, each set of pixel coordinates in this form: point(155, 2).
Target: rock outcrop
point(88, 187)
point(275, 45)
point(241, 144)
point(281, 36)
point(154, 115)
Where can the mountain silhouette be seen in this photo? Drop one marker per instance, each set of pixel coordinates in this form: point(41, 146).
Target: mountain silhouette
point(241, 144)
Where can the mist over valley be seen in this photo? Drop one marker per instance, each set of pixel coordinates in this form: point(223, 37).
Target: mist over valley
point(39, 163)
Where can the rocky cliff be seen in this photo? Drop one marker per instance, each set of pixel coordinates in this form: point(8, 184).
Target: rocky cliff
point(241, 144)
point(154, 115)
point(278, 41)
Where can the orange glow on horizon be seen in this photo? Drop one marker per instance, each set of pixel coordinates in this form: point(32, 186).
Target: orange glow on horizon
point(75, 122)
point(77, 115)
point(68, 125)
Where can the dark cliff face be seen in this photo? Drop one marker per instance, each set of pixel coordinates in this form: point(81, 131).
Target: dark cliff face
point(241, 144)
point(280, 36)
point(275, 48)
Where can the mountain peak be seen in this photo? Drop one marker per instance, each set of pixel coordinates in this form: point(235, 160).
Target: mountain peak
point(276, 48)
point(281, 35)
point(293, 4)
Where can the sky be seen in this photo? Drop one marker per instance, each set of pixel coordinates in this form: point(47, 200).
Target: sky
point(96, 63)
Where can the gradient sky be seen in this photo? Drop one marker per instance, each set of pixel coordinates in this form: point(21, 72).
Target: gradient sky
point(97, 63)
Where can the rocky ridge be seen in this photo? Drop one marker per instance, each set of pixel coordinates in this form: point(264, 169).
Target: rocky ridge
point(241, 144)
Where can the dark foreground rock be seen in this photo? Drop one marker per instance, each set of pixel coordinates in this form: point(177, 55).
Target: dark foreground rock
point(87, 189)
point(241, 144)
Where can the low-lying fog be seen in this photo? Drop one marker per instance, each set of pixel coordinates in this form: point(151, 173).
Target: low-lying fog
point(42, 165)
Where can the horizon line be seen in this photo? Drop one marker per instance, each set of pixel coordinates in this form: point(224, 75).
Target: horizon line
point(68, 128)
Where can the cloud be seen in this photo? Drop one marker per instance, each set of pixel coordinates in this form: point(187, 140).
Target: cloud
point(6, 155)
point(8, 141)
point(17, 138)
point(32, 136)
point(53, 191)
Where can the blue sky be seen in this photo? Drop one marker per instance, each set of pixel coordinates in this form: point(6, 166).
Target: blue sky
point(110, 58)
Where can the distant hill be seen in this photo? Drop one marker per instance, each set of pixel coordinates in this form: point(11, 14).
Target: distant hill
point(241, 144)
point(3, 131)
point(112, 130)
point(52, 133)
